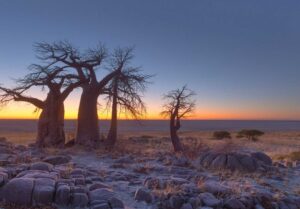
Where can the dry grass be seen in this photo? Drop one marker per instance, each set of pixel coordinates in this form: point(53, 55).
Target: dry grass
point(170, 189)
point(152, 143)
point(67, 172)
point(143, 168)
point(26, 137)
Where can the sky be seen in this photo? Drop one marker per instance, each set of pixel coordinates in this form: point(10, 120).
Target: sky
point(242, 58)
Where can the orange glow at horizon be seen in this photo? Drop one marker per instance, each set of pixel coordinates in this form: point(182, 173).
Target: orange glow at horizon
point(26, 111)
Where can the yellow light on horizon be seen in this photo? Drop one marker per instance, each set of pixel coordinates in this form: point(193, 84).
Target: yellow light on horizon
point(25, 111)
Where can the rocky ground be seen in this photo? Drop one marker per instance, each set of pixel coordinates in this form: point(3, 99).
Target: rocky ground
point(35, 178)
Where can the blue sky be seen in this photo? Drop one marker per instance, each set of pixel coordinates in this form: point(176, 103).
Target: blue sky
point(241, 57)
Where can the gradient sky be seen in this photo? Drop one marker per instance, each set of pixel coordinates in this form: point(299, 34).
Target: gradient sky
point(241, 57)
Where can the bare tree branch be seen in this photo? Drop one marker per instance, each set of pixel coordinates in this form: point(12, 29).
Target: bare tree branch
point(8, 95)
point(179, 101)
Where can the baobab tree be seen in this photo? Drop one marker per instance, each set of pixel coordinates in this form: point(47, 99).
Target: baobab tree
point(86, 65)
point(179, 104)
point(51, 119)
point(125, 94)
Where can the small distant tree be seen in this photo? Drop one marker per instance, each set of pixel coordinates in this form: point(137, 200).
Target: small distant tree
point(250, 134)
point(179, 104)
point(221, 135)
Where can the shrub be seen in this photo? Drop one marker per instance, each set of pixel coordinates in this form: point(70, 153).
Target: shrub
point(221, 135)
point(250, 134)
point(295, 156)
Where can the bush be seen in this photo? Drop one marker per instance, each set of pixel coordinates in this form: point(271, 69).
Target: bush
point(221, 135)
point(295, 156)
point(250, 134)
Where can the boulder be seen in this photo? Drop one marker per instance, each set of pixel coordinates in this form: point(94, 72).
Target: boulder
point(234, 203)
point(195, 202)
point(143, 194)
point(291, 202)
point(42, 166)
point(208, 159)
point(3, 178)
point(248, 200)
point(79, 189)
point(6, 150)
point(6, 159)
point(262, 157)
point(63, 195)
point(103, 205)
point(186, 206)
point(96, 178)
point(21, 148)
point(214, 187)
point(219, 162)
point(88, 181)
point(209, 199)
point(249, 163)
point(258, 206)
point(57, 159)
point(181, 161)
point(19, 191)
point(98, 186)
point(176, 201)
point(37, 174)
point(116, 203)
point(234, 161)
point(43, 192)
point(100, 195)
point(78, 171)
point(79, 200)
point(79, 181)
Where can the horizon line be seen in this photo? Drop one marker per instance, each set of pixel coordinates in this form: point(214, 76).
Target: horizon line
point(157, 119)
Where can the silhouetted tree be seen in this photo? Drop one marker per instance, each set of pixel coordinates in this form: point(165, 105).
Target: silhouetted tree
point(51, 119)
point(179, 104)
point(125, 92)
point(222, 135)
point(250, 134)
point(85, 65)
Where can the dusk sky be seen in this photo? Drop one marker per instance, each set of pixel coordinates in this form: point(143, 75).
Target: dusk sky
point(242, 58)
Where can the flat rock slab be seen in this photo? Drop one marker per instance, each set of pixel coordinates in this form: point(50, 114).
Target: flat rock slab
point(233, 161)
point(43, 192)
point(57, 159)
point(209, 199)
point(41, 166)
point(19, 191)
point(103, 197)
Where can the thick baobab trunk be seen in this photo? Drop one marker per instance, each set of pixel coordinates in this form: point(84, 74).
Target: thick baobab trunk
point(87, 125)
point(174, 127)
point(112, 134)
point(87, 121)
point(51, 123)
